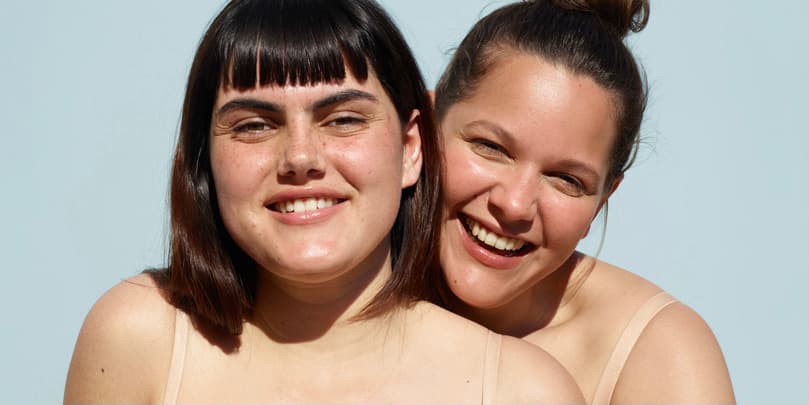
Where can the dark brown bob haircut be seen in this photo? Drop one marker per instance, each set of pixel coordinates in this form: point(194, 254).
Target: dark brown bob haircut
point(280, 42)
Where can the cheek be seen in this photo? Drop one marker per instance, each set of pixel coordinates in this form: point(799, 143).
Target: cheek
point(567, 219)
point(237, 171)
point(456, 166)
point(365, 161)
point(238, 175)
point(465, 179)
point(451, 265)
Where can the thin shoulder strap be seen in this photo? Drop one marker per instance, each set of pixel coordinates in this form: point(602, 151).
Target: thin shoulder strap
point(630, 335)
point(491, 367)
point(181, 326)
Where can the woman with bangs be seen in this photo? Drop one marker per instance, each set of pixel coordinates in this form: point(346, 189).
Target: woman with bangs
point(304, 211)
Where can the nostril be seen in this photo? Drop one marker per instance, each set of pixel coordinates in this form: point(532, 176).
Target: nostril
point(301, 161)
point(513, 204)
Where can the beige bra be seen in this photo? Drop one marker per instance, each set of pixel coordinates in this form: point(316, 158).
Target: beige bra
point(182, 326)
point(627, 341)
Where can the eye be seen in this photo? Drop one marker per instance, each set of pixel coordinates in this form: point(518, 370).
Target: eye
point(252, 128)
point(488, 148)
point(568, 184)
point(347, 123)
point(348, 120)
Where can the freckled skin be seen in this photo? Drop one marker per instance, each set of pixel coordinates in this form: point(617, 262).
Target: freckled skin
point(303, 343)
point(300, 148)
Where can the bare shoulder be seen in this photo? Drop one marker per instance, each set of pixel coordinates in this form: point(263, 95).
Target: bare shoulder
point(124, 346)
point(528, 374)
point(436, 318)
point(611, 280)
point(609, 297)
point(677, 359)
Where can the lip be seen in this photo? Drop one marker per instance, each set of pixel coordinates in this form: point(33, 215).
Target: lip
point(306, 217)
point(483, 255)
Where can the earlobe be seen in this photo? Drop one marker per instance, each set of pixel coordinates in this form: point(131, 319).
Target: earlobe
point(411, 151)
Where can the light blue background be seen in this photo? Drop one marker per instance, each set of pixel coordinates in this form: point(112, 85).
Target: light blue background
point(715, 211)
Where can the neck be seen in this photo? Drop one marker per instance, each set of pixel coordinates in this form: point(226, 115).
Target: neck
point(322, 314)
point(548, 303)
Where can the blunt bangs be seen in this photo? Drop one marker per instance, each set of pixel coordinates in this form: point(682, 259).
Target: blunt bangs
point(289, 43)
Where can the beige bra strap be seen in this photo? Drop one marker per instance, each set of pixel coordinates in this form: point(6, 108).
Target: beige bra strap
point(181, 326)
point(630, 335)
point(491, 367)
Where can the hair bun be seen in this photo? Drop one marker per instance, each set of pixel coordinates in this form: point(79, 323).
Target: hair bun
point(621, 15)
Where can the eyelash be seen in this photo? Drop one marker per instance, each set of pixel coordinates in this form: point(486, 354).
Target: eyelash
point(257, 128)
point(252, 127)
point(578, 188)
point(572, 180)
point(488, 147)
point(346, 121)
point(570, 184)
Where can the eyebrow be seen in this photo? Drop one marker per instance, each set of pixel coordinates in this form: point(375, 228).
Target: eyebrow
point(501, 132)
point(249, 103)
point(570, 164)
point(343, 96)
point(336, 98)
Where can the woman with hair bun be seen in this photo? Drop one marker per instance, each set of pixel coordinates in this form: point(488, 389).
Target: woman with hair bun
point(304, 216)
point(540, 111)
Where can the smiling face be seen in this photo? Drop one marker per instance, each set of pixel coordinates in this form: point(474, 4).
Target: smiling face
point(527, 156)
point(308, 178)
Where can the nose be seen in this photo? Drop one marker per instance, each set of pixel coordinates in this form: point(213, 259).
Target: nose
point(514, 198)
point(301, 157)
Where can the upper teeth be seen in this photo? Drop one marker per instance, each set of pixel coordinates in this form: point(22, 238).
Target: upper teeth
point(492, 239)
point(304, 204)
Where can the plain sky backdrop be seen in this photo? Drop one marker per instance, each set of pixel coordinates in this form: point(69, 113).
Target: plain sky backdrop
point(716, 210)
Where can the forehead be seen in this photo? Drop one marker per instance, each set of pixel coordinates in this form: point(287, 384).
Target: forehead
point(538, 102)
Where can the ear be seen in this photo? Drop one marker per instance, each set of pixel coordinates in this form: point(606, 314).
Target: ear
point(411, 151)
point(604, 198)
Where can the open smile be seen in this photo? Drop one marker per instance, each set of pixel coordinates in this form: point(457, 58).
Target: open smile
point(494, 242)
point(301, 205)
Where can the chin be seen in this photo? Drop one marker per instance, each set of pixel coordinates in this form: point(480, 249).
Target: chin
point(317, 268)
point(478, 296)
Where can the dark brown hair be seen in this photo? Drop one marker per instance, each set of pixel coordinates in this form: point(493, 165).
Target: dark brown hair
point(295, 42)
point(584, 36)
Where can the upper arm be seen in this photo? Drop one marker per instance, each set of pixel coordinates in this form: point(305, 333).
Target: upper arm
point(676, 360)
point(122, 352)
point(529, 375)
